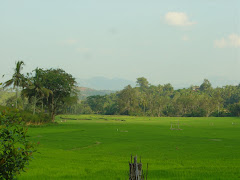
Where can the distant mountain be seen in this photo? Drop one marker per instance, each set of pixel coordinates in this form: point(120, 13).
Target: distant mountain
point(85, 92)
point(100, 83)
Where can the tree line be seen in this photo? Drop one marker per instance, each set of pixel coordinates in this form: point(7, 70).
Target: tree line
point(53, 91)
point(163, 100)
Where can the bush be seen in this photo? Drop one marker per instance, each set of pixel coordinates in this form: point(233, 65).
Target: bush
point(15, 150)
point(28, 117)
point(39, 118)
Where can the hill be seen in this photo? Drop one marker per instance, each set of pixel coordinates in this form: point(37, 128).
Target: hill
point(85, 92)
point(100, 83)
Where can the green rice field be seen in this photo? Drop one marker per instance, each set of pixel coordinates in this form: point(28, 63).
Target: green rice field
point(99, 148)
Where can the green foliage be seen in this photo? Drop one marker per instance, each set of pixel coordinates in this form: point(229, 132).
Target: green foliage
point(15, 149)
point(61, 84)
point(205, 86)
point(83, 108)
point(235, 109)
point(163, 100)
point(96, 103)
point(10, 102)
point(39, 118)
point(5, 94)
point(18, 79)
point(35, 91)
point(27, 116)
point(51, 89)
point(142, 82)
point(127, 101)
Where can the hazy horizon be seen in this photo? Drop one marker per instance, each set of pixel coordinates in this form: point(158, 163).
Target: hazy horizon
point(165, 41)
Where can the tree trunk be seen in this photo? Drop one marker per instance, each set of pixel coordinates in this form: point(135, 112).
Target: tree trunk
point(159, 112)
point(53, 110)
point(16, 97)
point(42, 105)
point(34, 104)
point(144, 109)
point(53, 116)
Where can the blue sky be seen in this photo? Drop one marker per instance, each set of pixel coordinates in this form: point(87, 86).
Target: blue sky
point(176, 41)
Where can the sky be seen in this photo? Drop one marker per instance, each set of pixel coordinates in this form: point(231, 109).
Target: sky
point(176, 41)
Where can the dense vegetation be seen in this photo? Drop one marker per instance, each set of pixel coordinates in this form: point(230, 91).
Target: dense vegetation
point(39, 96)
point(5, 95)
point(53, 91)
point(43, 92)
point(143, 100)
point(15, 149)
point(163, 100)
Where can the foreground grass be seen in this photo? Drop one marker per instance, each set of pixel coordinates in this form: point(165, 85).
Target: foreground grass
point(99, 147)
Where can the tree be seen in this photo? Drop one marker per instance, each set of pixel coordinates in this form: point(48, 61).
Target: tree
point(218, 99)
point(230, 94)
point(61, 85)
point(70, 105)
point(96, 103)
point(111, 106)
point(35, 90)
point(17, 80)
point(127, 101)
point(167, 89)
point(234, 109)
point(161, 100)
point(143, 83)
point(206, 86)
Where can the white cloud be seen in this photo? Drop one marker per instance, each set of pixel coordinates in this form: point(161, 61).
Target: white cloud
point(233, 40)
point(178, 19)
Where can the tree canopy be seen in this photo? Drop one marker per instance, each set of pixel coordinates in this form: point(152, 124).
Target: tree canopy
point(51, 89)
point(61, 85)
point(163, 100)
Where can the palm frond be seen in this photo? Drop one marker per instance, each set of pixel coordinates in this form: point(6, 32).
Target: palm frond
point(8, 83)
point(19, 65)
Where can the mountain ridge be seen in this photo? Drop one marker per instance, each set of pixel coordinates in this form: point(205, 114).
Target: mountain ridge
point(116, 84)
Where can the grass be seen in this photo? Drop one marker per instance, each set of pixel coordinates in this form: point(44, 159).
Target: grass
point(100, 148)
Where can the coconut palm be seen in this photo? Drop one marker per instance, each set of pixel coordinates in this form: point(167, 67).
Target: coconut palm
point(35, 90)
point(18, 79)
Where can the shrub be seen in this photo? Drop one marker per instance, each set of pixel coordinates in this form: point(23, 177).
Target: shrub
point(28, 117)
point(39, 118)
point(15, 150)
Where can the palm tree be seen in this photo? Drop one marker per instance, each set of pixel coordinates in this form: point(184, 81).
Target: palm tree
point(35, 90)
point(17, 80)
